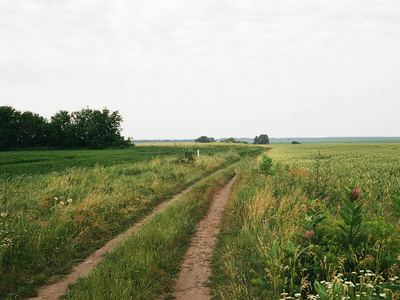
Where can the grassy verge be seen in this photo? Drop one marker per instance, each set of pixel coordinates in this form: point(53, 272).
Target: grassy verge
point(293, 231)
point(146, 264)
point(50, 222)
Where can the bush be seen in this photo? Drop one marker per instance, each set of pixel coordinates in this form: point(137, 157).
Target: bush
point(186, 157)
point(266, 165)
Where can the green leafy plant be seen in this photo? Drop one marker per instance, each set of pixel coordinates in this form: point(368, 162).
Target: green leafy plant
point(187, 156)
point(314, 215)
point(352, 213)
point(266, 165)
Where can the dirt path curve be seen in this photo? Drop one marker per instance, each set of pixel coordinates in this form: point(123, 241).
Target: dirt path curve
point(53, 291)
point(196, 266)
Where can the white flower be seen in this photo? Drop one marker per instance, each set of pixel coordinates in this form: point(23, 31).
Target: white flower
point(349, 283)
point(3, 214)
point(69, 200)
point(55, 198)
point(62, 203)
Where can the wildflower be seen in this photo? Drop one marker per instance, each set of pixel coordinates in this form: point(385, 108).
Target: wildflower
point(69, 200)
point(62, 203)
point(308, 234)
point(308, 207)
point(55, 198)
point(355, 194)
point(3, 214)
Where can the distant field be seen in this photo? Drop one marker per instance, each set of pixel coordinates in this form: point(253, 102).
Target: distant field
point(349, 140)
point(42, 162)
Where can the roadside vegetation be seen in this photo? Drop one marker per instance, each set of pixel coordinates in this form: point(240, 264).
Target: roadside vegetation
point(146, 265)
point(308, 221)
point(52, 220)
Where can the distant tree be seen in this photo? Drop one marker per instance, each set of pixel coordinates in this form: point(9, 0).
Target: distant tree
point(204, 139)
point(86, 128)
point(21, 130)
point(231, 140)
point(262, 139)
point(60, 130)
point(32, 130)
point(295, 143)
point(8, 127)
point(96, 129)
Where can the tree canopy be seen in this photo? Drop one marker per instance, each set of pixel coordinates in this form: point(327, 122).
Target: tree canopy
point(204, 139)
point(86, 128)
point(261, 139)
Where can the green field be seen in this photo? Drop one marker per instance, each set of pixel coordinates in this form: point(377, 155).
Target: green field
point(296, 225)
point(290, 234)
point(42, 162)
point(58, 206)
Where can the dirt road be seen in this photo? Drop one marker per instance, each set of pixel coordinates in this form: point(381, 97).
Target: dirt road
point(195, 269)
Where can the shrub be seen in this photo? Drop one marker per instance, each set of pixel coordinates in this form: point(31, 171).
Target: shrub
point(266, 165)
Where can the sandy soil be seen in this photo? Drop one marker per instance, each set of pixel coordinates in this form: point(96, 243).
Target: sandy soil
point(195, 269)
point(54, 291)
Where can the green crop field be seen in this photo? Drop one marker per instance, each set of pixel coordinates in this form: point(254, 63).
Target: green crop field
point(308, 220)
point(42, 162)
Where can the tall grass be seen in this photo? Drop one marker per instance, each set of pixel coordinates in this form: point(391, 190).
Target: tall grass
point(282, 232)
point(146, 264)
point(50, 222)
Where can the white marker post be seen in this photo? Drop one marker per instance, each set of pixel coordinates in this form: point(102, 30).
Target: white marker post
point(198, 153)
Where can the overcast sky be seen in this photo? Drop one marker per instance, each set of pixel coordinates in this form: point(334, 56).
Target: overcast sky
point(178, 69)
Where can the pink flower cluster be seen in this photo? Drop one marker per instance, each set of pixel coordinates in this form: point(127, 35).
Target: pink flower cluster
point(308, 235)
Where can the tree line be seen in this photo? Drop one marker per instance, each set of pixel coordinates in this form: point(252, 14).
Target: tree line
point(87, 128)
point(261, 139)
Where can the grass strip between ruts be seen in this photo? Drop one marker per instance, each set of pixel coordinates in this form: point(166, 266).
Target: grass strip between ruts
point(146, 264)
